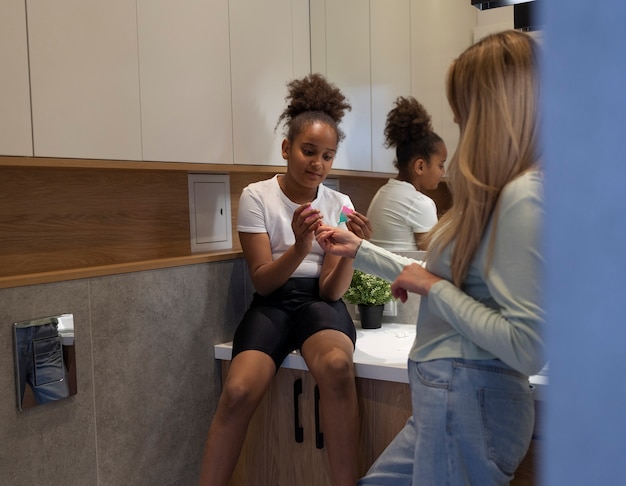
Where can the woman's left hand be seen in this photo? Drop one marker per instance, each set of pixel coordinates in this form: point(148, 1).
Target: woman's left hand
point(413, 278)
point(359, 225)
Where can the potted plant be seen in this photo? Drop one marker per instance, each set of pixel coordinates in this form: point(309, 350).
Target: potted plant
point(370, 294)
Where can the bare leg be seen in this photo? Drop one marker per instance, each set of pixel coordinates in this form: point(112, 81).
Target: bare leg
point(248, 379)
point(328, 355)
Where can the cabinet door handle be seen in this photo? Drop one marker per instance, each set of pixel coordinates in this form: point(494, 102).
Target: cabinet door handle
point(319, 436)
point(297, 391)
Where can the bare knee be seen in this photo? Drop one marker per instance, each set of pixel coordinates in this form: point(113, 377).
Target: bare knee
point(335, 372)
point(250, 375)
point(237, 397)
point(337, 363)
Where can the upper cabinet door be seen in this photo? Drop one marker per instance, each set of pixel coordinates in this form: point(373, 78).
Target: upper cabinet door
point(364, 46)
point(340, 45)
point(15, 124)
point(184, 70)
point(390, 68)
point(440, 32)
point(84, 78)
point(269, 44)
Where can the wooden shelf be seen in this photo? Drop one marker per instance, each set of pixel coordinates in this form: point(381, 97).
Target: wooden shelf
point(99, 271)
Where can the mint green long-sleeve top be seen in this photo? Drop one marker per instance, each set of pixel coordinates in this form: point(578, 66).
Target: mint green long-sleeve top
point(498, 311)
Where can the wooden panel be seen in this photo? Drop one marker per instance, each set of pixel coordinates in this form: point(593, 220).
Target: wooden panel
point(527, 473)
point(53, 219)
point(62, 219)
point(384, 408)
point(115, 269)
point(270, 454)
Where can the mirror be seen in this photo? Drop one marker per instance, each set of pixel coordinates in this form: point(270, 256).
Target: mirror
point(45, 364)
point(376, 50)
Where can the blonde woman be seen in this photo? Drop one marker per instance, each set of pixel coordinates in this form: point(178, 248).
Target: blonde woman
point(479, 329)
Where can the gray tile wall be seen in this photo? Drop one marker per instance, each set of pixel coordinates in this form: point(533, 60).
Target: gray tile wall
point(147, 380)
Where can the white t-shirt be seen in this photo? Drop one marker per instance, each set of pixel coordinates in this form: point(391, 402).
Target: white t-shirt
point(264, 208)
point(397, 212)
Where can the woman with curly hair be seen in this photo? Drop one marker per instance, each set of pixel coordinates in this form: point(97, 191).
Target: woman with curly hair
point(297, 302)
point(480, 322)
point(400, 213)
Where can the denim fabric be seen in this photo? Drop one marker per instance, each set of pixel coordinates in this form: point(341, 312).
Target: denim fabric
point(40, 357)
point(472, 424)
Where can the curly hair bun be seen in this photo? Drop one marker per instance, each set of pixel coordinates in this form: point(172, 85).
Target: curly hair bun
point(407, 122)
point(314, 93)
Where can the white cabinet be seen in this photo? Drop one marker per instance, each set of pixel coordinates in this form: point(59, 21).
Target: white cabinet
point(269, 46)
point(15, 126)
point(390, 68)
point(340, 30)
point(159, 80)
point(84, 78)
point(205, 80)
point(288, 418)
point(184, 70)
point(363, 46)
point(377, 50)
point(440, 31)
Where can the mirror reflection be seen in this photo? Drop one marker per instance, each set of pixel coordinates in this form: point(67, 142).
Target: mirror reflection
point(45, 367)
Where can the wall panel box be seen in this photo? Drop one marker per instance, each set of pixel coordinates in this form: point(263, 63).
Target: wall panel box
point(209, 212)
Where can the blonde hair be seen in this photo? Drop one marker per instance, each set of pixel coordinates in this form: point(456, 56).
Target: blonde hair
point(493, 92)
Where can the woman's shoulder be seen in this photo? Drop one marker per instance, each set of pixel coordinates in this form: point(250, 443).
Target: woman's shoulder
point(526, 189)
point(528, 184)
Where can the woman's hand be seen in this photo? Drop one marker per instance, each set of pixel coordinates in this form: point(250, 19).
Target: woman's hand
point(303, 224)
point(337, 241)
point(359, 225)
point(413, 278)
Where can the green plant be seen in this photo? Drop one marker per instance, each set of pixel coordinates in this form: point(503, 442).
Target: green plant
point(368, 290)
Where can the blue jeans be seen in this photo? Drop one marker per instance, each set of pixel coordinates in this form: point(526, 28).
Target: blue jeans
point(40, 357)
point(472, 424)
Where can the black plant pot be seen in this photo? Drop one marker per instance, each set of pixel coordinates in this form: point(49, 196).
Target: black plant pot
point(371, 316)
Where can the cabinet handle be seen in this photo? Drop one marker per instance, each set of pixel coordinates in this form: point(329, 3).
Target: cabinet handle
point(297, 391)
point(319, 436)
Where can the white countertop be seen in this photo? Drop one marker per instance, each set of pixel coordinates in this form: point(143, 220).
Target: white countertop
point(380, 354)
